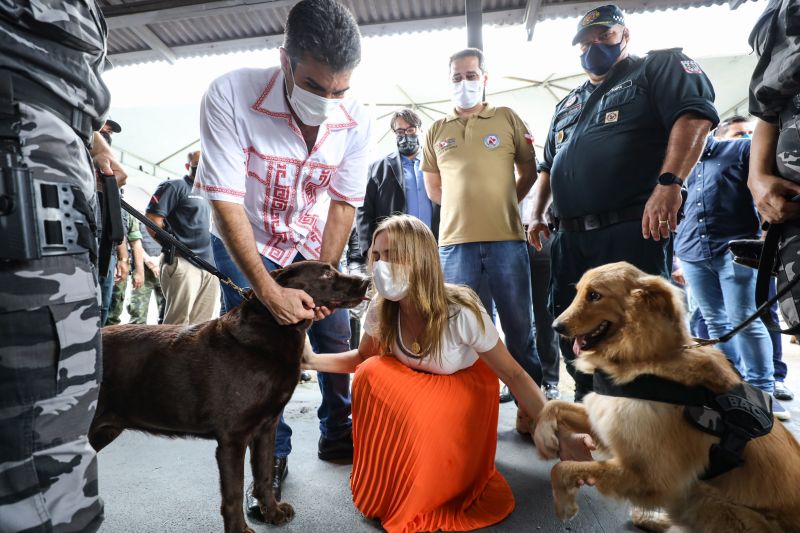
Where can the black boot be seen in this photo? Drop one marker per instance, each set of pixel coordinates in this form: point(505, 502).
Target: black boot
point(331, 450)
point(280, 470)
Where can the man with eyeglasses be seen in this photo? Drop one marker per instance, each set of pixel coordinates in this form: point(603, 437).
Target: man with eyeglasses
point(396, 183)
point(617, 151)
point(469, 162)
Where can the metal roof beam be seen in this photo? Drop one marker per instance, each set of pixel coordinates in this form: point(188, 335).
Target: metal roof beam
point(141, 13)
point(508, 16)
point(531, 15)
point(153, 41)
point(473, 13)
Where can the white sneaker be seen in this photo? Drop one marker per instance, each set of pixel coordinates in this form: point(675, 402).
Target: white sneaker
point(779, 411)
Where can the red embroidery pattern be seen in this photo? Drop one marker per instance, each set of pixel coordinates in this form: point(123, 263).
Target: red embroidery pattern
point(212, 188)
point(288, 185)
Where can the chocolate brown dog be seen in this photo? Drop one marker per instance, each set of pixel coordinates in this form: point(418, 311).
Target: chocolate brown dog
point(226, 379)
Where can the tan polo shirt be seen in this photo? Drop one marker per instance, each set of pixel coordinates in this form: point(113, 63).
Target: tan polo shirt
point(475, 158)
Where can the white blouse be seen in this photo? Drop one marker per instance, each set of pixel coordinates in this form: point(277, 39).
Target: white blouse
point(462, 341)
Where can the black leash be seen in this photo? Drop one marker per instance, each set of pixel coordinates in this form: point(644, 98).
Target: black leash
point(765, 266)
point(188, 254)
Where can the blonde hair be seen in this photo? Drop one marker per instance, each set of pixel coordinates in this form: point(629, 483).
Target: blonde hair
point(413, 247)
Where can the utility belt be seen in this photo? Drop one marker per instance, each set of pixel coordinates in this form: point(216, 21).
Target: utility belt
point(39, 218)
point(599, 220)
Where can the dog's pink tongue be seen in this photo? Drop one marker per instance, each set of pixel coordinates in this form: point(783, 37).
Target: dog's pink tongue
point(576, 345)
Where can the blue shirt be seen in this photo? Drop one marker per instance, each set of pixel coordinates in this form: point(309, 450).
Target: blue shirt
point(719, 207)
point(417, 202)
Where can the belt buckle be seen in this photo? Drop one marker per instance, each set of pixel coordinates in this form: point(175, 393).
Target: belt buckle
point(591, 222)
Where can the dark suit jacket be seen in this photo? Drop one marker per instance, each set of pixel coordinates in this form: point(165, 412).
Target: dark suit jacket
point(385, 196)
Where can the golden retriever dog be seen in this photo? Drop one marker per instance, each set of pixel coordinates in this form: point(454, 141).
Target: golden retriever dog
point(628, 324)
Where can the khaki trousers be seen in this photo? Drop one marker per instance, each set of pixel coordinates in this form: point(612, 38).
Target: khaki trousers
point(191, 294)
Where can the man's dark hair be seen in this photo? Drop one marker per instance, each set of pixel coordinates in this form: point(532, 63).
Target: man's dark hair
point(326, 31)
point(722, 129)
point(408, 115)
point(469, 52)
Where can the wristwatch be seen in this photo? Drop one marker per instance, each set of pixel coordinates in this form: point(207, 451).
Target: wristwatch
point(668, 178)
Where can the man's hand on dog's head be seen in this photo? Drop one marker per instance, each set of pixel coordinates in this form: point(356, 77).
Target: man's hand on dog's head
point(290, 306)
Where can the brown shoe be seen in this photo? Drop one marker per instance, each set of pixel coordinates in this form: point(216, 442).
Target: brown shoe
point(524, 423)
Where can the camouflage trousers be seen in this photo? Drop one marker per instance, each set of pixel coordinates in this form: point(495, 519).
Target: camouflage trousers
point(139, 304)
point(117, 301)
point(50, 361)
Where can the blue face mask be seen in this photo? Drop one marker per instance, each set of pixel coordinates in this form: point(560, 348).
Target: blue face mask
point(599, 58)
point(746, 136)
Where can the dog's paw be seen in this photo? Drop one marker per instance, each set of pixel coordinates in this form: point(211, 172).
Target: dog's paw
point(565, 493)
point(248, 529)
point(656, 521)
point(281, 514)
point(565, 503)
point(545, 437)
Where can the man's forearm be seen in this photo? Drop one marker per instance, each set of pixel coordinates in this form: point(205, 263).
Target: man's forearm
point(138, 256)
point(527, 177)
point(433, 186)
point(231, 221)
point(337, 230)
point(762, 149)
point(541, 197)
point(686, 142)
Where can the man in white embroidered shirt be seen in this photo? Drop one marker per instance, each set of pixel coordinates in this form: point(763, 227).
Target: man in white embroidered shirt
point(285, 159)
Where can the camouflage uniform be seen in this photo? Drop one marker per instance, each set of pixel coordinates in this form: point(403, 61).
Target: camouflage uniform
point(118, 292)
point(50, 360)
point(139, 303)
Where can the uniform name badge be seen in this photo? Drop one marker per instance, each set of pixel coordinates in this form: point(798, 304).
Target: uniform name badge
point(611, 116)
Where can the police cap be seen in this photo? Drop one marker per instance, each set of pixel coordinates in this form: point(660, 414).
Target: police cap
point(608, 16)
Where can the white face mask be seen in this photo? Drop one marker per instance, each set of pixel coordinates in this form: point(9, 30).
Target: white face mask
point(312, 110)
point(390, 287)
point(467, 93)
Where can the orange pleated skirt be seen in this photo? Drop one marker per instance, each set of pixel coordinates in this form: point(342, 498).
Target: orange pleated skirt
point(424, 447)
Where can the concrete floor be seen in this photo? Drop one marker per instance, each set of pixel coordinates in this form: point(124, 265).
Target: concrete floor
point(152, 484)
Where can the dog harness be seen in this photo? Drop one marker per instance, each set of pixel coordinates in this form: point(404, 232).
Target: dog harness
point(736, 417)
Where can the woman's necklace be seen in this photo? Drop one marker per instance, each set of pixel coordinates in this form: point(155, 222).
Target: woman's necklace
point(415, 347)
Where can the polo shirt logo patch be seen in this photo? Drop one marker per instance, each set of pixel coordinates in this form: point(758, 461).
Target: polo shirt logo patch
point(611, 116)
point(491, 141)
point(691, 67)
point(446, 144)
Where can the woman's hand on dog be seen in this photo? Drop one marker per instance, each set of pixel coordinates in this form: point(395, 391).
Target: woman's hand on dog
point(576, 447)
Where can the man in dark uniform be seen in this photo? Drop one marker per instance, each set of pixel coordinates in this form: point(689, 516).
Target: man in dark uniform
point(617, 151)
point(52, 100)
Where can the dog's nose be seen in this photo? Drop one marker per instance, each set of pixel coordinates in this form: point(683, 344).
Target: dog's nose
point(559, 327)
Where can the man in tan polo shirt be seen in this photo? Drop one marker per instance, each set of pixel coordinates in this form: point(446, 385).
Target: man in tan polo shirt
point(469, 159)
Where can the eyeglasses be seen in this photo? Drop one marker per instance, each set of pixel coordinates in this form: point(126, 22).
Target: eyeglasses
point(406, 131)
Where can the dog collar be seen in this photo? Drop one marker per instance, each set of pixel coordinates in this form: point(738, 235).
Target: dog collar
point(736, 417)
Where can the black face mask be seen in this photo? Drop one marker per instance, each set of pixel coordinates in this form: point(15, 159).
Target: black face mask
point(407, 145)
point(192, 172)
point(106, 136)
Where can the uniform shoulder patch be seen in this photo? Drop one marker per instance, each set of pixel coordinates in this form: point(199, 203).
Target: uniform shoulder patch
point(691, 67)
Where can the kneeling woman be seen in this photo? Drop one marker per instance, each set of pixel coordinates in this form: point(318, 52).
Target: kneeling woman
point(425, 414)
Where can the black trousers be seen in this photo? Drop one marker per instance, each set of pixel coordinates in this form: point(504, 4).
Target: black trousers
point(546, 338)
point(573, 253)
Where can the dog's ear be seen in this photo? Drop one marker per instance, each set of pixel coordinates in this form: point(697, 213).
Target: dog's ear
point(276, 273)
point(656, 293)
